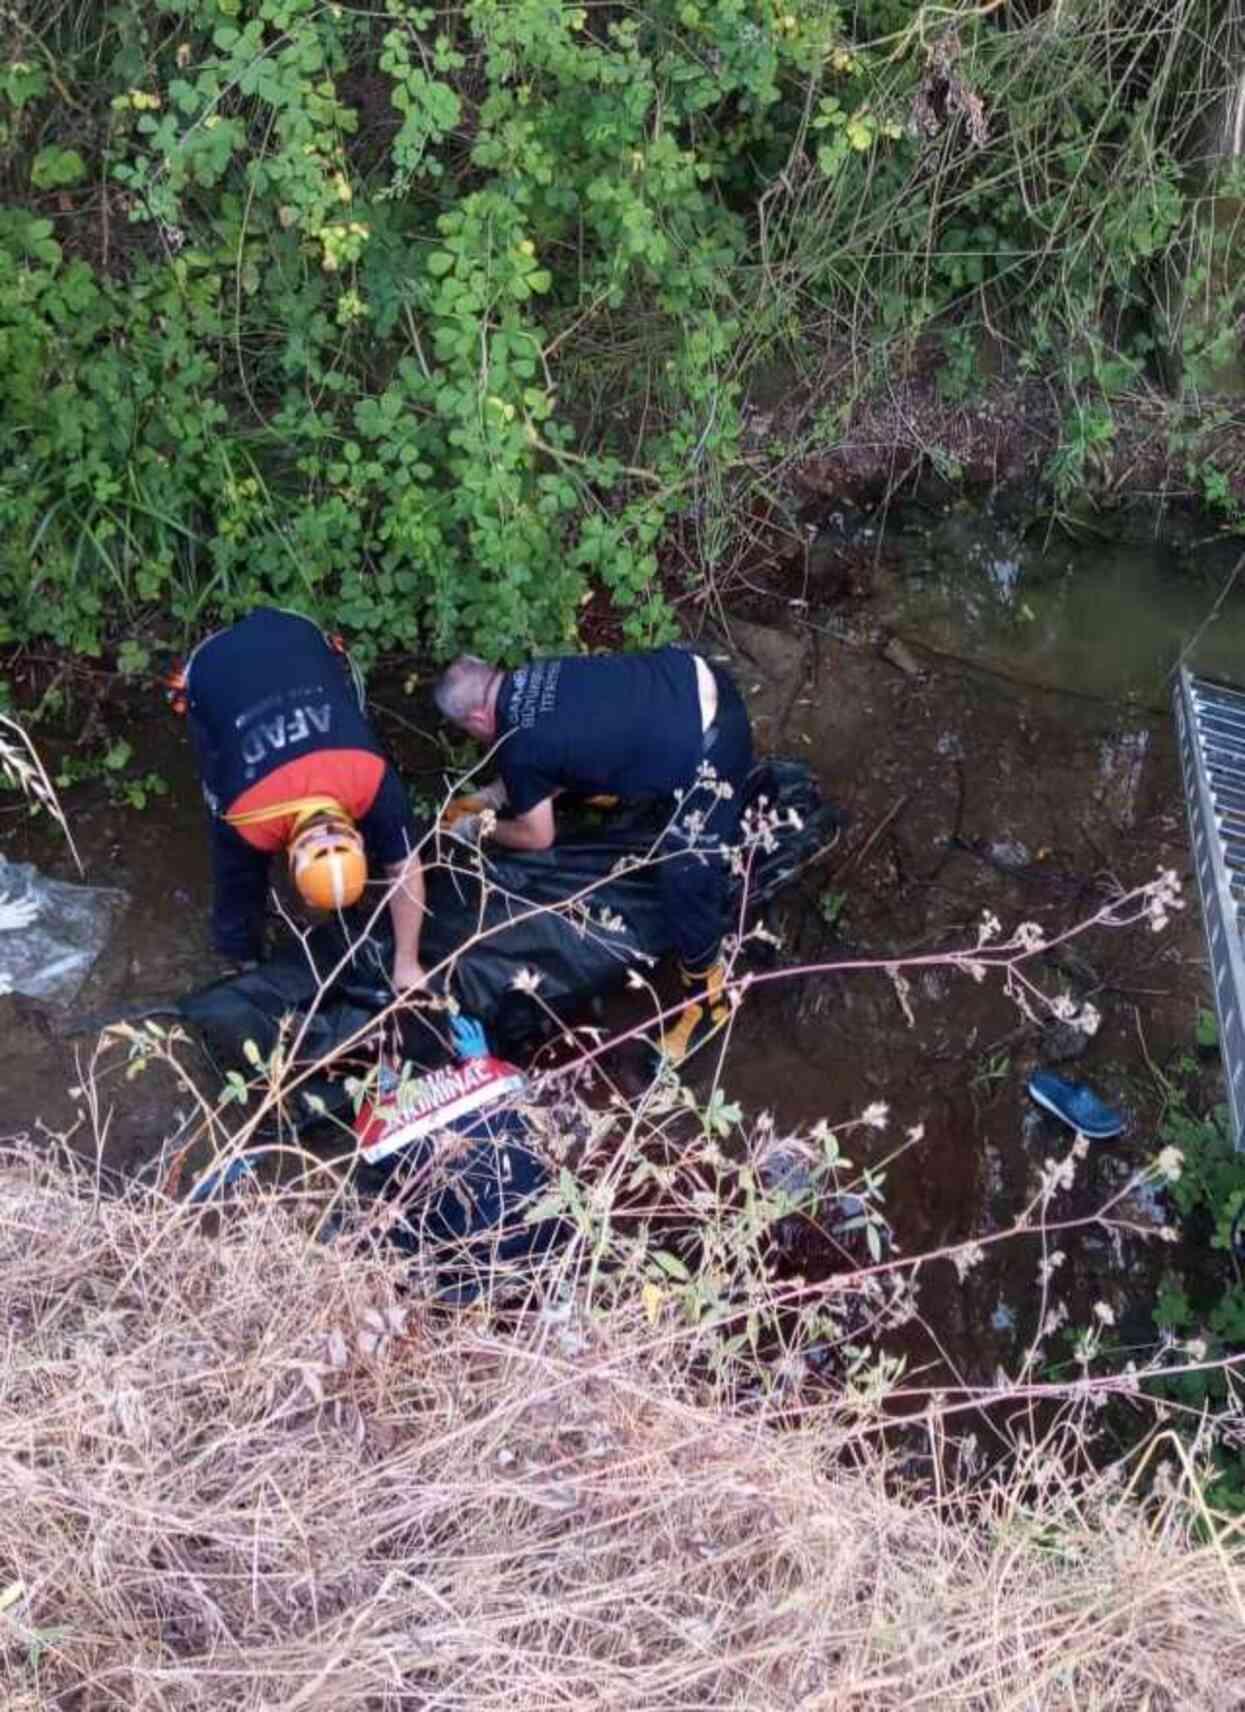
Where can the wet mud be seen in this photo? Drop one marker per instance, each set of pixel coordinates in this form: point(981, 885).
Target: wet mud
point(974, 791)
point(969, 791)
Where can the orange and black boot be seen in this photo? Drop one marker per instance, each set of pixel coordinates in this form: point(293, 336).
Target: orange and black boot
point(703, 1014)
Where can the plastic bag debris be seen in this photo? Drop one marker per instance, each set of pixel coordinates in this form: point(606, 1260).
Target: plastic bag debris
point(51, 932)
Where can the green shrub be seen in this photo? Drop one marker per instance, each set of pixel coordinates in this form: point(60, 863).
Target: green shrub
point(320, 362)
point(431, 321)
point(1201, 1300)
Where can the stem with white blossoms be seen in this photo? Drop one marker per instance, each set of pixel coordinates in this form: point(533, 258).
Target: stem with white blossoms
point(1152, 903)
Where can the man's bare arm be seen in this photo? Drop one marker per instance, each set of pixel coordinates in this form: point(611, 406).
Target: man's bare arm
point(406, 907)
point(531, 831)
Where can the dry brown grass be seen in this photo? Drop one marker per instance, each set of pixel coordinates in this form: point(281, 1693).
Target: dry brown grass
point(238, 1469)
point(22, 769)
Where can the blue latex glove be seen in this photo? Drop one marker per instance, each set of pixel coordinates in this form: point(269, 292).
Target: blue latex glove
point(468, 1037)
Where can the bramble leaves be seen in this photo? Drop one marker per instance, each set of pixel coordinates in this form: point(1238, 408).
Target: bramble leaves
point(526, 251)
point(323, 224)
point(54, 166)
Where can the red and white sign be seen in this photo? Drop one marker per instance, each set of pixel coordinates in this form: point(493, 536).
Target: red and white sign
point(433, 1102)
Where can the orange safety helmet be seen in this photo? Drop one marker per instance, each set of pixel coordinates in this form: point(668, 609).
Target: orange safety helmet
point(327, 861)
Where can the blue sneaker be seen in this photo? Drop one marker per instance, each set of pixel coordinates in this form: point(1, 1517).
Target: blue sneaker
point(1076, 1105)
point(232, 1173)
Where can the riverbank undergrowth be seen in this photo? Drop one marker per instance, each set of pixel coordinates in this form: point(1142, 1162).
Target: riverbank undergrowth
point(432, 321)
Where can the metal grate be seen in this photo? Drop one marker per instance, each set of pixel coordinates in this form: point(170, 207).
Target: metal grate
point(1210, 725)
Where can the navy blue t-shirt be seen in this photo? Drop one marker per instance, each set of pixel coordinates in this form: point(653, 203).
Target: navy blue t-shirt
point(628, 724)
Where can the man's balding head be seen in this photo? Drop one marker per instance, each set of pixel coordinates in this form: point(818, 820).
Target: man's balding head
point(465, 696)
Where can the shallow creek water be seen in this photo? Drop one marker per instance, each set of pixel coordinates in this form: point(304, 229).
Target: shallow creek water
point(1036, 735)
point(1102, 615)
point(1039, 734)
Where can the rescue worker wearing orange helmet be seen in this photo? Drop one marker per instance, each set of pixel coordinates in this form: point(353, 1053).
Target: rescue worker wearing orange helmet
point(290, 762)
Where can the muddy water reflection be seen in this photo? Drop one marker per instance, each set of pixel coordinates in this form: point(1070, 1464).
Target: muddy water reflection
point(1030, 770)
point(1107, 616)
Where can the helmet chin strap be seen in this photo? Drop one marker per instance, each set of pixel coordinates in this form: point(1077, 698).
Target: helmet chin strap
point(327, 810)
point(319, 838)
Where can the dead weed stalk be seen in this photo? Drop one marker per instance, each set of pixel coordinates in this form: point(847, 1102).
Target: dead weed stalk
point(22, 769)
point(244, 1470)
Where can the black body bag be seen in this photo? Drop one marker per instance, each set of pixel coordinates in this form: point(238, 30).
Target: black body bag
point(578, 917)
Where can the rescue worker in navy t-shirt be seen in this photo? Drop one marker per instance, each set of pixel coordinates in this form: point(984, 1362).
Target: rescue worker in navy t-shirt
point(652, 724)
point(289, 762)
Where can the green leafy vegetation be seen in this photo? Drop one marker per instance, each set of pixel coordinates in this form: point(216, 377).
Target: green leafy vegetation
point(305, 331)
point(1201, 1302)
point(126, 787)
point(434, 321)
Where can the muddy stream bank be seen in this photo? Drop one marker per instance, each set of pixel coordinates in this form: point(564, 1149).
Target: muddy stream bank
point(992, 708)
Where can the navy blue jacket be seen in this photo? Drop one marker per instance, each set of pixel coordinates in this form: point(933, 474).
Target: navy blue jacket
point(275, 715)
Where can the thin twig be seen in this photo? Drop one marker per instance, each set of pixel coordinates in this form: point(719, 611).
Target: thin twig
point(858, 855)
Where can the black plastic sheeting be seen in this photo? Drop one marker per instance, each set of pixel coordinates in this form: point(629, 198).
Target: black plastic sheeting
point(566, 915)
point(468, 1219)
